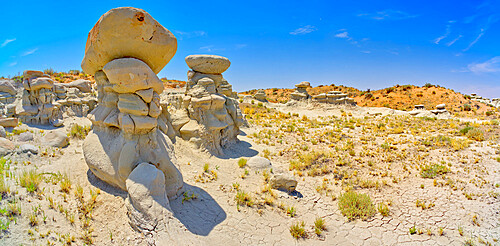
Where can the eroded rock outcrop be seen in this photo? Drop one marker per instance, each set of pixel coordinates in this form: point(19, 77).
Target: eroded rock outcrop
point(260, 95)
point(127, 146)
point(208, 115)
point(300, 93)
point(334, 97)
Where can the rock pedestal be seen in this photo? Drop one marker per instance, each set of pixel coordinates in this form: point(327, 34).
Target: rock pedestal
point(209, 115)
point(300, 92)
point(125, 50)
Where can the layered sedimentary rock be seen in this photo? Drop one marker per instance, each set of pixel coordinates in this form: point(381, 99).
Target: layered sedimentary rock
point(43, 101)
point(128, 146)
point(440, 109)
point(7, 98)
point(300, 93)
point(208, 115)
point(334, 97)
point(260, 95)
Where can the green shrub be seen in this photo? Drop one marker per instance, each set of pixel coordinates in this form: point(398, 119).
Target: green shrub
point(242, 162)
point(30, 180)
point(298, 230)
point(431, 171)
point(475, 134)
point(355, 205)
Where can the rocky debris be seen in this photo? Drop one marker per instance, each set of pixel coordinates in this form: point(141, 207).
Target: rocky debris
point(7, 98)
point(28, 148)
point(128, 32)
point(9, 122)
point(259, 163)
point(208, 64)
point(494, 102)
point(25, 137)
point(56, 138)
point(208, 114)
point(283, 182)
point(300, 92)
point(260, 95)
point(334, 97)
point(127, 146)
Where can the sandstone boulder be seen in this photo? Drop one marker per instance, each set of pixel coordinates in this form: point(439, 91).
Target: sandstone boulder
point(210, 64)
point(128, 32)
point(28, 148)
point(6, 146)
point(25, 137)
point(3, 133)
point(57, 138)
point(283, 182)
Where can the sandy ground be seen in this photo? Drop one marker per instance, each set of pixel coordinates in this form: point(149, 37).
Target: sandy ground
point(216, 219)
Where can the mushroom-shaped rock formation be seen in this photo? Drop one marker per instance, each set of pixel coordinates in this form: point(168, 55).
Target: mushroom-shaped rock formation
point(128, 32)
point(209, 115)
point(127, 146)
point(300, 92)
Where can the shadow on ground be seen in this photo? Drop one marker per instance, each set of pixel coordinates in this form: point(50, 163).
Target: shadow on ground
point(96, 182)
point(199, 215)
point(237, 150)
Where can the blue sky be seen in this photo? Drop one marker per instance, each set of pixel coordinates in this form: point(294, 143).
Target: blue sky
point(365, 44)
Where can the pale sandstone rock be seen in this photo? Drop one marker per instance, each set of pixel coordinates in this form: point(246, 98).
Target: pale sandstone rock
point(132, 104)
point(9, 122)
point(25, 137)
point(146, 95)
point(210, 64)
point(6, 86)
point(128, 75)
point(128, 32)
point(41, 83)
point(82, 84)
point(57, 138)
point(3, 133)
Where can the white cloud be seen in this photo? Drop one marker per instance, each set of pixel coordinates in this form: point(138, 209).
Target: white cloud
point(454, 40)
point(447, 32)
point(490, 66)
point(29, 52)
point(303, 30)
point(475, 40)
point(7, 41)
point(342, 35)
point(388, 14)
point(12, 64)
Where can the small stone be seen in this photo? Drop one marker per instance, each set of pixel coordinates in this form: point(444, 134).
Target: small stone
point(258, 162)
point(283, 182)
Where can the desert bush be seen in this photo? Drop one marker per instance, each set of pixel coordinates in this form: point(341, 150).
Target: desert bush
point(467, 107)
point(298, 230)
point(30, 180)
point(383, 209)
point(78, 131)
point(319, 226)
point(49, 71)
point(243, 199)
point(431, 171)
point(242, 162)
point(428, 85)
point(475, 134)
point(368, 95)
point(354, 205)
point(389, 90)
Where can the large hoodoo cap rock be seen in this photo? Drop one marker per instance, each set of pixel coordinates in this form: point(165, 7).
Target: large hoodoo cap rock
point(128, 32)
point(210, 64)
